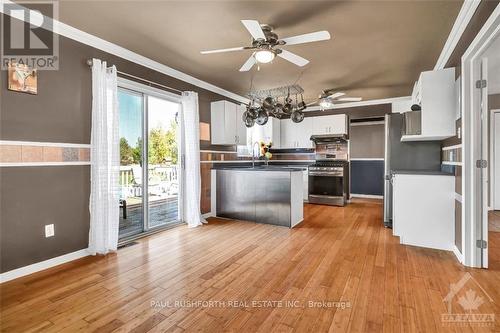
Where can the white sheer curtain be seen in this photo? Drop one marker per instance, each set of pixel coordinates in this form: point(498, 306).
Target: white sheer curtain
point(191, 139)
point(105, 160)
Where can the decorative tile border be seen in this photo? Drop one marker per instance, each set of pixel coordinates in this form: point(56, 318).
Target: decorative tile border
point(18, 153)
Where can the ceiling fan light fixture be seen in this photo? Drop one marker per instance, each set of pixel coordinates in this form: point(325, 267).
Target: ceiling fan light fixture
point(264, 56)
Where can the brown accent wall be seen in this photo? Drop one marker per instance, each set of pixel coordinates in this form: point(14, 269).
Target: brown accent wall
point(494, 101)
point(367, 141)
point(32, 197)
point(356, 112)
point(61, 112)
point(483, 12)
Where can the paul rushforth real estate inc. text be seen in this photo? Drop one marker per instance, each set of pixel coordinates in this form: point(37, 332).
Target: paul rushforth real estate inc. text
point(159, 304)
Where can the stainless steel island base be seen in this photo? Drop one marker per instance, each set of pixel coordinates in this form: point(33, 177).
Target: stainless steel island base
point(255, 194)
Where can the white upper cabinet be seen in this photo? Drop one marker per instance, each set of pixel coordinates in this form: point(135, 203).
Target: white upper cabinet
point(296, 135)
point(435, 92)
point(227, 127)
point(333, 124)
point(269, 132)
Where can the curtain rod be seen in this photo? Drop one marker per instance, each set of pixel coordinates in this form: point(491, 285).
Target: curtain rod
point(90, 62)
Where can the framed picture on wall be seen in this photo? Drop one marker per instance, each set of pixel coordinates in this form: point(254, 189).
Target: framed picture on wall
point(22, 78)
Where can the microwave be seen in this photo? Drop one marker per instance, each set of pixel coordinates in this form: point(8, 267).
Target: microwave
point(412, 123)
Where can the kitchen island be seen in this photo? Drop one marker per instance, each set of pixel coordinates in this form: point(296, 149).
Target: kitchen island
point(262, 194)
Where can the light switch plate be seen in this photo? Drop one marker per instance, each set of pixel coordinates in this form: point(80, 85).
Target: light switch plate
point(49, 230)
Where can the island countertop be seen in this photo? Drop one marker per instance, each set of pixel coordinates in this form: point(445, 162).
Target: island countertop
point(272, 168)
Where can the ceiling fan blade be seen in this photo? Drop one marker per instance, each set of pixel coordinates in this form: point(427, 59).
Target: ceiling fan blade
point(254, 29)
point(350, 99)
point(248, 64)
point(312, 103)
point(336, 95)
point(307, 38)
point(293, 58)
point(223, 50)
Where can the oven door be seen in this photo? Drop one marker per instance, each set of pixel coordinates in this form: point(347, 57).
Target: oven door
point(327, 188)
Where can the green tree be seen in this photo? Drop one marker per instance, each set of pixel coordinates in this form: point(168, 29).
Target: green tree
point(137, 152)
point(163, 145)
point(126, 157)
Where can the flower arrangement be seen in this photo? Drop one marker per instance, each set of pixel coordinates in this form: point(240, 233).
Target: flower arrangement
point(264, 150)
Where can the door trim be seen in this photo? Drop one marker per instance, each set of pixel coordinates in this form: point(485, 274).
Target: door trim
point(493, 167)
point(470, 126)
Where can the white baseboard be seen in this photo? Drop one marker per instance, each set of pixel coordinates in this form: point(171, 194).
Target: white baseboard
point(42, 265)
point(458, 254)
point(366, 196)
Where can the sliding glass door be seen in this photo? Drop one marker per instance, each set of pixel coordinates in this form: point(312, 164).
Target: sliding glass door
point(163, 170)
point(131, 109)
point(149, 160)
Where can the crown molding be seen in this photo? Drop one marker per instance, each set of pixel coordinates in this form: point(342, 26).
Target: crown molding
point(362, 103)
point(68, 31)
point(464, 16)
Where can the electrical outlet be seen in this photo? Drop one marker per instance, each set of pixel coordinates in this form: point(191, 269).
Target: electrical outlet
point(49, 230)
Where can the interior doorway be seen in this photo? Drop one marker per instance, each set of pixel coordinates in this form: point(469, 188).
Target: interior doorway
point(490, 60)
point(480, 91)
point(150, 146)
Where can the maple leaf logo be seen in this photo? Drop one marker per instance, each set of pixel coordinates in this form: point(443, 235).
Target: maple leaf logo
point(471, 301)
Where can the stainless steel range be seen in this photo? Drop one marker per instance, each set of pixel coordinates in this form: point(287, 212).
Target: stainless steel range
point(329, 175)
point(328, 182)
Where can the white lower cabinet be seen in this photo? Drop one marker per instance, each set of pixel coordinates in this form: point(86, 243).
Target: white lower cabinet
point(305, 180)
point(296, 135)
point(424, 210)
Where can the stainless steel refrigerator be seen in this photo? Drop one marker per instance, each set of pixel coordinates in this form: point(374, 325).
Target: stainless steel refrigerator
point(411, 156)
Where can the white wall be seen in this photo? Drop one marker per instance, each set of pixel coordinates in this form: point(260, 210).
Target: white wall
point(493, 55)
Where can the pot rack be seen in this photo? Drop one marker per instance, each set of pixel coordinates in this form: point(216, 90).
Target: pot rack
point(283, 91)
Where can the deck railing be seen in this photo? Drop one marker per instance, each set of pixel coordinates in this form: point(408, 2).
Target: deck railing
point(163, 179)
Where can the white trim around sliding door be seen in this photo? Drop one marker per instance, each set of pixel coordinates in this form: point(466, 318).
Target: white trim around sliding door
point(146, 91)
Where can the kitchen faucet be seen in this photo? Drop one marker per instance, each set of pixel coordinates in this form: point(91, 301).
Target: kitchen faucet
point(253, 153)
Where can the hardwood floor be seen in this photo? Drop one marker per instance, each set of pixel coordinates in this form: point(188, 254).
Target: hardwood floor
point(341, 255)
point(494, 220)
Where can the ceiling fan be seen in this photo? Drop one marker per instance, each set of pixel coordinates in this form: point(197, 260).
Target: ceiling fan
point(265, 42)
point(328, 98)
